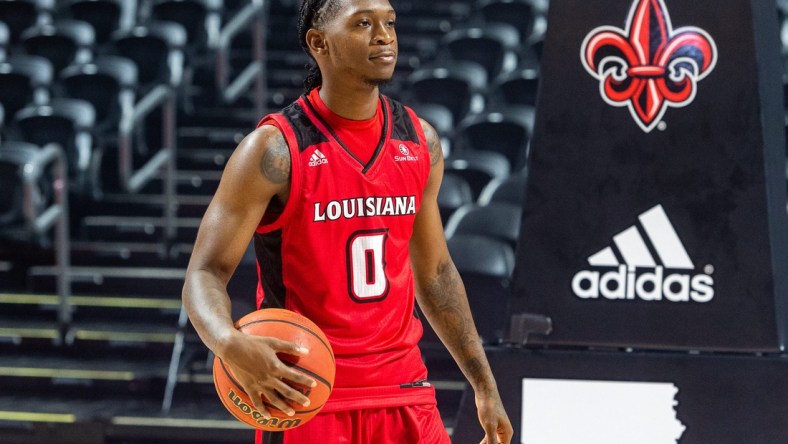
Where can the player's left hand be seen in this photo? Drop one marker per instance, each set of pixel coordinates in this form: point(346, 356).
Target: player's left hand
point(495, 422)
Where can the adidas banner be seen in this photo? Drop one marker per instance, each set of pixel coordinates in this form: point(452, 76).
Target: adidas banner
point(656, 203)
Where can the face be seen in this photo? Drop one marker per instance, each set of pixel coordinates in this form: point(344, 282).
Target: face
point(359, 41)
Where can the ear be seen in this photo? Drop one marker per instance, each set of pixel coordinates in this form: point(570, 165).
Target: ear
point(316, 43)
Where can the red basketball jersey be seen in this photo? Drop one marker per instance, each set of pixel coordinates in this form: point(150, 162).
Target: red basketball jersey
point(338, 252)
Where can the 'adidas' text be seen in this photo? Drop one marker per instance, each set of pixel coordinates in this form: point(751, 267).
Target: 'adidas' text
point(640, 277)
point(317, 159)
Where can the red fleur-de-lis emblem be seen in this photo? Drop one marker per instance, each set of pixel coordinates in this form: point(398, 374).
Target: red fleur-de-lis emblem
point(648, 66)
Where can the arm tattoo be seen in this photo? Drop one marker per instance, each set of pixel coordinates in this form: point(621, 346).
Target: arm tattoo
point(445, 304)
point(434, 142)
point(275, 165)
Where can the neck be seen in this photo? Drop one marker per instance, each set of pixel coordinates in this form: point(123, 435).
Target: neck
point(350, 102)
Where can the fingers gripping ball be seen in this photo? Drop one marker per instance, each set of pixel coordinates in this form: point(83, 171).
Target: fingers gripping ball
point(318, 364)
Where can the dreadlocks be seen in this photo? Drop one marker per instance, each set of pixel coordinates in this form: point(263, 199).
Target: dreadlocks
point(313, 14)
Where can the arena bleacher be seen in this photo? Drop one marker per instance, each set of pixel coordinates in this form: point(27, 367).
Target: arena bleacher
point(117, 119)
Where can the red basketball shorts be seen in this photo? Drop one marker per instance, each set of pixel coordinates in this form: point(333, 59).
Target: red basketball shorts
point(417, 424)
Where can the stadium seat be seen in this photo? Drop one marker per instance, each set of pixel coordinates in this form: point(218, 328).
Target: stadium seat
point(108, 83)
point(13, 156)
point(454, 193)
point(499, 220)
point(103, 15)
point(24, 80)
point(518, 87)
point(518, 13)
point(4, 39)
point(62, 43)
point(491, 45)
point(18, 15)
point(157, 50)
point(440, 118)
point(485, 265)
point(200, 19)
point(504, 130)
point(67, 122)
point(478, 168)
point(456, 85)
point(509, 190)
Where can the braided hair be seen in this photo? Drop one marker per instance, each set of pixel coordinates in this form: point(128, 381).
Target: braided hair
point(313, 14)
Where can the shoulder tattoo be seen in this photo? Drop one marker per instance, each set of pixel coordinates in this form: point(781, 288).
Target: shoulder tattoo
point(434, 142)
point(275, 165)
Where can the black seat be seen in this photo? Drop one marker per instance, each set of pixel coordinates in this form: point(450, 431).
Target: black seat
point(478, 168)
point(510, 190)
point(485, 265)
point(497, 220)
point(13, 156)
point(156, 49)
point(201, 19)
point(103, 15)
point(67, 122)
point(108, 83)
point(458, 85)
point(518, 13)
point(503, 130)
point(518, 87)
point(492, 45)
point(18, 15)
point(454, 193)
point(5, 37)
point(24, 79)
point(62, 43)
point(440, 118)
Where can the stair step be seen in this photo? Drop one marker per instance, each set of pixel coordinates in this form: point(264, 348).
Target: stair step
point(129, 253)
point(120, 204)
point(137, 228)
point(121, 281)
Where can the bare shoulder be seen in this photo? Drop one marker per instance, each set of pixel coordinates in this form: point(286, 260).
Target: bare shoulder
point(433, 141)
point(267, 149)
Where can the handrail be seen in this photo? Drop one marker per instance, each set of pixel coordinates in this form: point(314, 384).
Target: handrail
point(254, 14)
point(57, 213)
point(133, 181)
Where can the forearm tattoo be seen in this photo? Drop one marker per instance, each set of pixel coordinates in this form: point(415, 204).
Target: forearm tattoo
point(446, 305)
point(275, 165)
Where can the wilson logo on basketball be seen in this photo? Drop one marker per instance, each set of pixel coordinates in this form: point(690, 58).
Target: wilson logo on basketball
point(648, 66)
point(274, 422)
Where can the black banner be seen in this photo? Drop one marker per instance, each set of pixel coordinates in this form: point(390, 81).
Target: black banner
point(615, 398)
point(656, 202)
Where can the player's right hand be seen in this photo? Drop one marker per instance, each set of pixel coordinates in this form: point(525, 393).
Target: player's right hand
point(255, 365)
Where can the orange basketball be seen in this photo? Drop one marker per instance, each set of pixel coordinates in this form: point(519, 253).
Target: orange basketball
point(318, 364)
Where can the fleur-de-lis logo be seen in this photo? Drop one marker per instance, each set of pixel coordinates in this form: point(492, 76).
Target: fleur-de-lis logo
point(648, 66)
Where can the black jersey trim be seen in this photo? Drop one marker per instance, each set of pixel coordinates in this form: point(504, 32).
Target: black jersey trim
point(268, 249)
point(306, 132)
point(402, 127)
point(381, 142)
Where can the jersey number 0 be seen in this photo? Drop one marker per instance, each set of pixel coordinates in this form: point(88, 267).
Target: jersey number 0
point(366, 259)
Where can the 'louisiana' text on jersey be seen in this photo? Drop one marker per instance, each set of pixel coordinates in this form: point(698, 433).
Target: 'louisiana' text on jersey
point(365, 207)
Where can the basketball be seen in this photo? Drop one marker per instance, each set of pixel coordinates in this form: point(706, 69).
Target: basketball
point(318, 364)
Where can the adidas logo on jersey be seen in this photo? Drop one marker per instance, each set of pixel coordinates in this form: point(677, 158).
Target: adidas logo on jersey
point(640, 276)
point(317, 158)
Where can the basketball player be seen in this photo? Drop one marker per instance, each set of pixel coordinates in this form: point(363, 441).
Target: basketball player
point(339, 191)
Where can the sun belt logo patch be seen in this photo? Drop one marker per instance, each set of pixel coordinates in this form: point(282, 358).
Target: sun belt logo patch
point(663, 271)
point(648, 66)
point(406, 155)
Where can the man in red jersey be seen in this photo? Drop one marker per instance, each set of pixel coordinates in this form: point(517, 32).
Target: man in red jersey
point(339, 191)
